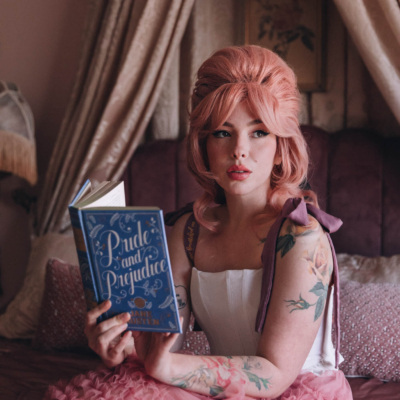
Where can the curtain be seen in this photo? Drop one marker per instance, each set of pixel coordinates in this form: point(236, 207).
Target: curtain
point(128, 49)
point(375, 29)
point(211, 26)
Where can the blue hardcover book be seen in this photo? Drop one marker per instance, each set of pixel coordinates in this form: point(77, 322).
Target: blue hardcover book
point(123, 257)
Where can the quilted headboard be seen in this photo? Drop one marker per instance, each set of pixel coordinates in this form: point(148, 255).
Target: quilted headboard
point(356, 174)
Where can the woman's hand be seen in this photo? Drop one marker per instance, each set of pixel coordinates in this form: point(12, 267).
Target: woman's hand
point(153, 349)
point(105, 338)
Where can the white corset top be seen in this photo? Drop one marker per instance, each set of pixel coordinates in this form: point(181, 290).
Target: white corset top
point(225, 305)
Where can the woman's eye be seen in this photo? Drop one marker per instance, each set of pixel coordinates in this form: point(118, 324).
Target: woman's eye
point(259, 134)
point(221, 134)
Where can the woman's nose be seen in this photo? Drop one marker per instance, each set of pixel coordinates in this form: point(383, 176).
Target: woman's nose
point(240, 149)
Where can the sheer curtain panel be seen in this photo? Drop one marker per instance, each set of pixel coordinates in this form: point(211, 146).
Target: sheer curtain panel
point(375, 29)
point(128, 49)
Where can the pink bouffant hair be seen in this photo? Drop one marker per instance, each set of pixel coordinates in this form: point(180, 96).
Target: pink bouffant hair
point(260, 77)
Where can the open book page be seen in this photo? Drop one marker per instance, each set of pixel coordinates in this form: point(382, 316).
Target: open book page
point(83, 193)
point(112, 195)
point(91, 193)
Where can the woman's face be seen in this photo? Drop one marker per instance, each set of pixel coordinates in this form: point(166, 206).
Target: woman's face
point(242, 153)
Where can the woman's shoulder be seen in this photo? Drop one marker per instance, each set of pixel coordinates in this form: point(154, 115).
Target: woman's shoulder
point(301, 238)
point(311, 229)
point(308, 243)
point(179, 225)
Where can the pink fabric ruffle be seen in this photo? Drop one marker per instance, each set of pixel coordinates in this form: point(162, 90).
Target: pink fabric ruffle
point(129, 381)
point(331, 385)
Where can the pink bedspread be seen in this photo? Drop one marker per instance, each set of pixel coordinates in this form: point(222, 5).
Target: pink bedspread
point(26, 373)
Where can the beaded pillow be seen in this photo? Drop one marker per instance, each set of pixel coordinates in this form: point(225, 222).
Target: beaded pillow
point(195, 342)
point(63, 309)
point(370, 330)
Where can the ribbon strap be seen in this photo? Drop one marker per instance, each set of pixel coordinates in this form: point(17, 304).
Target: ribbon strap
point(190, 236)
point(296, 210)
point(173, 216)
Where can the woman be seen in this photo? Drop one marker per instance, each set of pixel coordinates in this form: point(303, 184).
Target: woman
point(256, 259)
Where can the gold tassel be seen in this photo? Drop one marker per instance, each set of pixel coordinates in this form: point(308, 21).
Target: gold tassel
point(18, 156)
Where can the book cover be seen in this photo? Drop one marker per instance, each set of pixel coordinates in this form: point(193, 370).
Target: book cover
point(124, 258)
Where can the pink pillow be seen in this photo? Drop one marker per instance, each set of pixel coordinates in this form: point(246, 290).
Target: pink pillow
point(370, 330)
point(63, 309)
point(63, 312)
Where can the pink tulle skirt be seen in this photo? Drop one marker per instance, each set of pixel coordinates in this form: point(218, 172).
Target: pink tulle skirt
point(129, 381)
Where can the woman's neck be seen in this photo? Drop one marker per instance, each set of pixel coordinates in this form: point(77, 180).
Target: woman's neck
point(241, 210)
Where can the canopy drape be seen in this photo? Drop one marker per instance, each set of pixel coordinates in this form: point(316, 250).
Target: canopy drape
point(127, 52)
point(128, 47)
point(375, 29)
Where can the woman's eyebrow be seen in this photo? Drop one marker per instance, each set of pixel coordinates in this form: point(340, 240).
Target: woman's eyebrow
point(255, 122)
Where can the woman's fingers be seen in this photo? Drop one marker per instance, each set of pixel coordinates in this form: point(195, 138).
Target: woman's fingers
point(120, 346)
point(95, 313)
point(92, 315)
point(110, 323)
point(105, 338)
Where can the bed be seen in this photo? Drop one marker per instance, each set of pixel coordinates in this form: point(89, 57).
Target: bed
point(356, 174)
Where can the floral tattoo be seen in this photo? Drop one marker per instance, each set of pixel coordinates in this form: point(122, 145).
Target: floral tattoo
point(286, 242)
point(317, 264)
point(219, 372)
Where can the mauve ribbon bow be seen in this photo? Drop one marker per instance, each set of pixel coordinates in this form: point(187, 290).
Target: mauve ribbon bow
point(296, 210)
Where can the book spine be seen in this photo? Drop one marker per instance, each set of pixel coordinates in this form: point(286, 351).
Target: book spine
point(85, 263)
point(171, 278)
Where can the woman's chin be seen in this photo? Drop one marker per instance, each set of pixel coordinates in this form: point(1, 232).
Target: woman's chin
point(244, 190)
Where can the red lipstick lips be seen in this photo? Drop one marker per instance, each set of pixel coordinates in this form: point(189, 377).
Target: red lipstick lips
point(238, 172)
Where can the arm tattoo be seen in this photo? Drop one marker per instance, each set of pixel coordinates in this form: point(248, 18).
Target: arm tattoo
point(181, 296)
point(219, 372)
point(286, 242)
point(319, 265)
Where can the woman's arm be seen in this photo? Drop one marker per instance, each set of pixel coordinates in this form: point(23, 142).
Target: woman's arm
point(303, 271)
point(214, 375)
point(181, 271)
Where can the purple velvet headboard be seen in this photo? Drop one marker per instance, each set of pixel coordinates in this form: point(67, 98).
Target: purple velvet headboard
point(356, 174)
